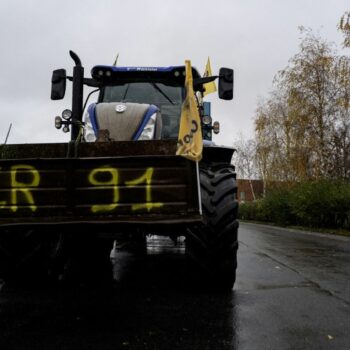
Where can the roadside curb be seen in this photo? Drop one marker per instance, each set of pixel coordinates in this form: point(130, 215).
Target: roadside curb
point(310, 233)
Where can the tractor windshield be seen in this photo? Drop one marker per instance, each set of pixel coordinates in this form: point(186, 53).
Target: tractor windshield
point(166, 97)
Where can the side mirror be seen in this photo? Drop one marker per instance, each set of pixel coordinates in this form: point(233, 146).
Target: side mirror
point(58, 84)
point(226, 83)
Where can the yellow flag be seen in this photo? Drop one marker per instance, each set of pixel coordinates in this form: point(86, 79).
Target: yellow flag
point(209, 87)
point(190, 144)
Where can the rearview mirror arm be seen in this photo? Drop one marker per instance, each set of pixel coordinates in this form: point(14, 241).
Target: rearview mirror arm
point(87, 81)
point(199, 82)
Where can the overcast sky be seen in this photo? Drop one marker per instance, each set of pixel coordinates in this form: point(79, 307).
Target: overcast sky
point(255, 38)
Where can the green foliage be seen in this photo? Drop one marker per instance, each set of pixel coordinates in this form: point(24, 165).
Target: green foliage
point(322, 203)
point(278, 205)
point(275, 207)
point(253, 211)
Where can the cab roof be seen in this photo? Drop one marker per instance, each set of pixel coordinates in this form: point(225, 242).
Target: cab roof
point(111, 75)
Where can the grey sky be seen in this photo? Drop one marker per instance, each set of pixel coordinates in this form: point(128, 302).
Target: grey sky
point(255, 38)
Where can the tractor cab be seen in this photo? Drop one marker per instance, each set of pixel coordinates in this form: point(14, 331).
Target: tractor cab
point(136, 103)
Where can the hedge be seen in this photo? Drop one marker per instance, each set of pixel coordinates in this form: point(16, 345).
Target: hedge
point(322, 203)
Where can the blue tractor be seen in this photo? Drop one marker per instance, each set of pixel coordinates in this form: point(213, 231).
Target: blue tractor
point(119, 177)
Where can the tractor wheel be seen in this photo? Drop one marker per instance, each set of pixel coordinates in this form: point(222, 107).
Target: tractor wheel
point(212, 245)
point(27, 254)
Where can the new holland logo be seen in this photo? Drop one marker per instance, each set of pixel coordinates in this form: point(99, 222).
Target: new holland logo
point(120, 108)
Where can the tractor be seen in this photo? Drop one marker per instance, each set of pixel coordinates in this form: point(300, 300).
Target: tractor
point(119, 178)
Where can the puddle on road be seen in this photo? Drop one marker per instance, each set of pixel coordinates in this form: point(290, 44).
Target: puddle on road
point(161, 245)
point(124, 261)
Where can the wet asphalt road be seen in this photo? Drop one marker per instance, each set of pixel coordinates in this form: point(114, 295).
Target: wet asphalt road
point(292, 292)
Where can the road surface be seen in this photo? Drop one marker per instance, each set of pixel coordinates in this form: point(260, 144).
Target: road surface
point(292, 292)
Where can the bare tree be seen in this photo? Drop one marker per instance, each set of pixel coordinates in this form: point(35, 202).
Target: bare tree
point(344, 26)
point(245, 160)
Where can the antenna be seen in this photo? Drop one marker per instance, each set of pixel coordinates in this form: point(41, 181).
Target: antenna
point(8, 133)
point(116, 60)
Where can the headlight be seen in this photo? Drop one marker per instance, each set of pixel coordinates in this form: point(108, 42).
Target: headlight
point(148, 130)
point(58, 122)
point(216, 127)
point(206, 120)
point(67, 114)
point(89, 133)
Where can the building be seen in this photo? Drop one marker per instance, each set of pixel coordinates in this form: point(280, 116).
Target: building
point(246, 189)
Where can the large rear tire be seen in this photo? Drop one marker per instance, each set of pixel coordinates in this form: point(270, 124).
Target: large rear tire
point(213, 244)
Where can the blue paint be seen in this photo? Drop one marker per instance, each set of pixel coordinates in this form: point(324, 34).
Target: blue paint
point(207, 108)
point(92, 115)
point(138, 69)
point(151, 110)
point(142, 71)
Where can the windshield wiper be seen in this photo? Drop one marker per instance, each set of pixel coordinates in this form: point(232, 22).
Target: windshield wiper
point(162, 92)
point(126, 92)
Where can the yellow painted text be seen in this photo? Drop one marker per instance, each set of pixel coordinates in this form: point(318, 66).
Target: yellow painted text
point(23, 188)
point(112, 181)
point(145, 178)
